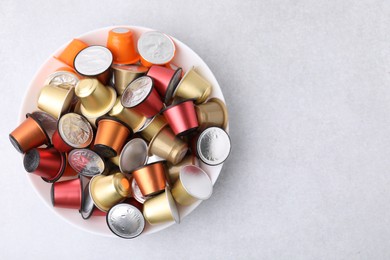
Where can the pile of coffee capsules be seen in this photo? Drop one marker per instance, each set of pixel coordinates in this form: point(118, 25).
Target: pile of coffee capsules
point(120, 132)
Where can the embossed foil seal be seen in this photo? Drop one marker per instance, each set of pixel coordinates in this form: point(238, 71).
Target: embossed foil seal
point(47, 121)
point(86, 162)
point(62, 79)
point(75, 130)
point(155, 48)
point(213, 146)
point(125, 221)
point(93, 61)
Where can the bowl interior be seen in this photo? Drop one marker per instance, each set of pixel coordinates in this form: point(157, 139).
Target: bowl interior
point(184, 58)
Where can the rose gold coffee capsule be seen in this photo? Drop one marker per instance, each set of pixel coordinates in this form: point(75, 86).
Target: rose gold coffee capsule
point(67, 194)
point(213, 146)
point(167, 146)
point(165, 81)
point(125, 221)
point(141, 96)
point(29, 134)
point(94, 61)
point(74, 131)
point(120, 42)
point(106, 191)
point(155, 48)
point(174, 170)
point(193, 86)
point(194, 184)
point(96, 99)
point(110, 136)
point(86, 162)
point(212, 113)
point(125, 74)
point(153, 127)
point(136, 192)
point(129, 116)
point(68, 55)
point(134, 154)
point(55, 100)
point(181, 117)
point(151, 178)
point(161, 209)
point(45, 162)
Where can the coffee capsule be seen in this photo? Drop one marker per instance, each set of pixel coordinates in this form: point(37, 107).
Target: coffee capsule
point(55, 100)
point(86, 162)
point(181, 117)
point(67, 194)
point(193, 86)
point(193, 184)
point(212, 113)
point(161, 209)
point(165, 81)
point(120, 42)
point(153, 127)
point(129, 116)
point(151, 178)
point(70, 52)
point(125, 74)
point(107, 191)
point(134, 154)
point(174, 170)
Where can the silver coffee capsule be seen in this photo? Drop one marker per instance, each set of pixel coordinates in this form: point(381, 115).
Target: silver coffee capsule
point(134, 154)
point(86, 162)
point(213, 146)
point(87, 205)
point(125, 220)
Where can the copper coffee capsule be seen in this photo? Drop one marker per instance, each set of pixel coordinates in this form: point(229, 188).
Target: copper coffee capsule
point(74, 131)
point(45, 162)
point(29, 134)
point(213, 146)
point(106, 191)
point(161, 209)
point(193, 184)
point(150, 178)
point(67, 194)
point(94, 61)
point(165, 80)
point(174, 170)
point(193, 86)
point(110, 136)
point(129, 116)
point(181, 117)
point(153, 127)
point(141, 96)
point(125, 74)
point(167, 146)
point(212, 113)
point(96, 99)
point(55, 100)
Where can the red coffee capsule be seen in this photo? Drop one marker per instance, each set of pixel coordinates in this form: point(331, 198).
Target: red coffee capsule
point(48, 163)
point(181, 117)
point(142, 97)
point(67, 194)
point(165, 80)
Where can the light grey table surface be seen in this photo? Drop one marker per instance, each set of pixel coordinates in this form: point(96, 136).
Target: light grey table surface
point(307, 85)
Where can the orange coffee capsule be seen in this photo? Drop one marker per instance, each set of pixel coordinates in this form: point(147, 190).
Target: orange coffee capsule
point(150, 178)
point(70, 52)
point(120, 42)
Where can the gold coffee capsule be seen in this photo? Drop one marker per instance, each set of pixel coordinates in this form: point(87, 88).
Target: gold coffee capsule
point(127, 115)
point(55, 100)
point(174, 170)
point(153, 127)
point(106, 191)
point(193, 184)
point(161, 208)
point(193, 86)
point(125, 74)
point(212, 113)
point(96, 99)
point(167, 146)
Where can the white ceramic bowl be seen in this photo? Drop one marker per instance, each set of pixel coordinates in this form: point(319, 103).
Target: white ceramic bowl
point(185, 58)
